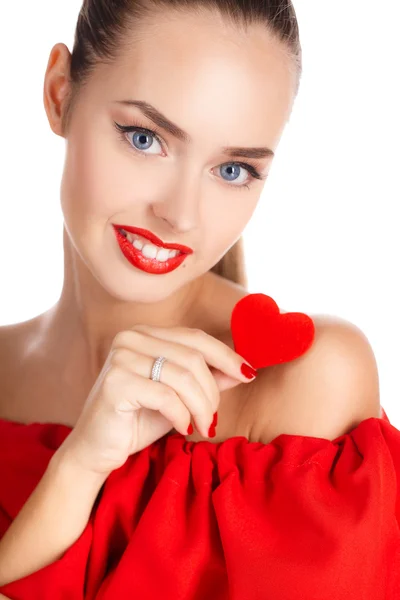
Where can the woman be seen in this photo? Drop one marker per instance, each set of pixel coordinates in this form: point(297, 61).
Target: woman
point(137, 358)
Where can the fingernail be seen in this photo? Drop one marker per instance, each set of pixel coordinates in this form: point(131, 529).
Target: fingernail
point(248, 371)
point(190, 429)
point(211, 431)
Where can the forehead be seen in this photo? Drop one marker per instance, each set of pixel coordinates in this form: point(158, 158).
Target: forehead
point(200, 70)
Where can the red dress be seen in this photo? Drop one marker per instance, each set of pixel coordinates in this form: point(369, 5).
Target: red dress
point(299, 518)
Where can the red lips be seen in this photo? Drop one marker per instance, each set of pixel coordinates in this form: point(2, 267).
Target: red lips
point(154, 239)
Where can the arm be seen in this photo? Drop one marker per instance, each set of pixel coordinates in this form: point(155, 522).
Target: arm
point(51, 520)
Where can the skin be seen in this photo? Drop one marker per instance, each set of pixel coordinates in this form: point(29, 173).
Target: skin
point(178, 191)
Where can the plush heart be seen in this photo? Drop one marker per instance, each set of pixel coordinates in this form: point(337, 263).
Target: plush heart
point(264, 336)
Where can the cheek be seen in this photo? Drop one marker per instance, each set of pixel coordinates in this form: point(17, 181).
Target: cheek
point(93, 183)
point(225, 221)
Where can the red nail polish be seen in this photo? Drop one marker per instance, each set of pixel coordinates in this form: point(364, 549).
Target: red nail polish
point(248, 371)
point(190, 429)
point(211, 431)
point(215, 419)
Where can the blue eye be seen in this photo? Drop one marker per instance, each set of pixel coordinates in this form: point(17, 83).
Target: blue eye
point(232, 167)
point(141, 143)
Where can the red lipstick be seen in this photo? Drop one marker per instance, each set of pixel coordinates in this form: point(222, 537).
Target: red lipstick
point(150, 265)
point(149, 235)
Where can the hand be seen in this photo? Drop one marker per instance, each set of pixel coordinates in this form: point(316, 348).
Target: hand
point(127, 411)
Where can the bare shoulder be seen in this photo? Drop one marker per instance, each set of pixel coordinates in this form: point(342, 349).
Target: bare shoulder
point(15, 342)
point(10, 336)
point(324, 393)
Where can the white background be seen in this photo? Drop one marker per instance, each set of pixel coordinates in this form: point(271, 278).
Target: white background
point(324, 238)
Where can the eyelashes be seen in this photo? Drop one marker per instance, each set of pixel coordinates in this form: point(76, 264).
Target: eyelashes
point(124, 129)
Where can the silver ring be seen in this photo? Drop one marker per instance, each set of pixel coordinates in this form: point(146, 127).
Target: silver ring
point(156, 370)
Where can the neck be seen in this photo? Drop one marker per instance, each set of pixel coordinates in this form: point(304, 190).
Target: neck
point(79, 329)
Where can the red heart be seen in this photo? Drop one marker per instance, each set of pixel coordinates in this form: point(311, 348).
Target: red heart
point(264, 336)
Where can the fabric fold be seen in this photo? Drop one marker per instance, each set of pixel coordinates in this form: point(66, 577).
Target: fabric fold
point(300, 517)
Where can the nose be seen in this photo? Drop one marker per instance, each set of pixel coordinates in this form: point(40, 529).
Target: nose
point(181, 213)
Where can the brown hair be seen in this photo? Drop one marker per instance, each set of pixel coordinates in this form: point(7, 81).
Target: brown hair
point(104, 26)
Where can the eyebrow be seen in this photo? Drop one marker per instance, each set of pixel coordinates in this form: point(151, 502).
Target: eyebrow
point(162, 121)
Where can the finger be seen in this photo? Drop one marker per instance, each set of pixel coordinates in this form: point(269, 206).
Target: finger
point(180, 354)
point(181, 380)
point(215, 352)
point(224, 382)
point(135, 391)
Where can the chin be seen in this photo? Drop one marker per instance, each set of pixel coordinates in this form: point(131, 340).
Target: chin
point(133, 285)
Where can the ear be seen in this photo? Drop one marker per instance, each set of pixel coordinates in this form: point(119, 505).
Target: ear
point(56, 86)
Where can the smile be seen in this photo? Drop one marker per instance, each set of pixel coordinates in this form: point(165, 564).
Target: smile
point(146, 256)
point(148, 249)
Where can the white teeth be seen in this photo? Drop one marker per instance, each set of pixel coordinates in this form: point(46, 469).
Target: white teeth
point(164, 254)
point(150, 250)
point(137, 243)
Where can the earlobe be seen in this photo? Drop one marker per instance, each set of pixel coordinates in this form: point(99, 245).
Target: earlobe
point(57, 86)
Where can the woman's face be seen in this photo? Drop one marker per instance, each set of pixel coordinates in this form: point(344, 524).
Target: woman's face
point(221, 86)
